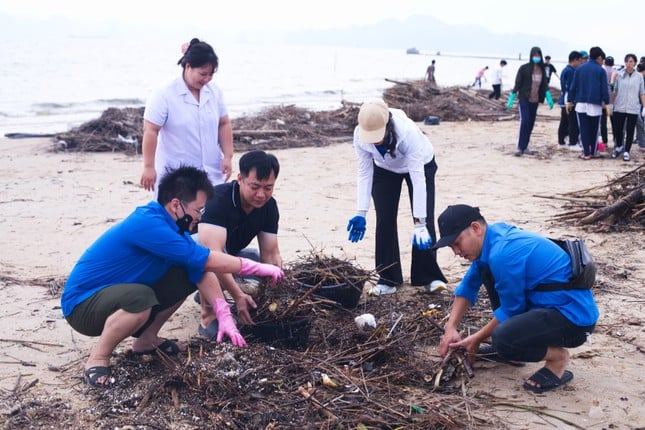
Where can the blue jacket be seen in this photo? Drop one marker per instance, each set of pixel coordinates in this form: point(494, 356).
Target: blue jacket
point(566, 77)
point(589, 84)
point(139, 250)
point(520, 261)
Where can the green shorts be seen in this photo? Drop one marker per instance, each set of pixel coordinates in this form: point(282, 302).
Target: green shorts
point(89, 317)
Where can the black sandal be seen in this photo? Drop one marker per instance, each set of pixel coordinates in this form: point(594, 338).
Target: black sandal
point(93, 374)
point(167, 347)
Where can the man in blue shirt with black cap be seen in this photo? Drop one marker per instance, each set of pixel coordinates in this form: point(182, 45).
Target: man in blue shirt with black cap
point(539, 307)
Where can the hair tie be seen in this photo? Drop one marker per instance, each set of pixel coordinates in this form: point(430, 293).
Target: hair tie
point(184, 47)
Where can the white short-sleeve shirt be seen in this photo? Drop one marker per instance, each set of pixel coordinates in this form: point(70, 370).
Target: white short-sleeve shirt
point(189, 132)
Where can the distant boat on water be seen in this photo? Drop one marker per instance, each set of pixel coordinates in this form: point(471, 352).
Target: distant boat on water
point(413, 51)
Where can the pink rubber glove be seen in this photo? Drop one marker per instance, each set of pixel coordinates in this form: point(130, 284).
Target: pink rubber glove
point(250, 267)
point(226, 324)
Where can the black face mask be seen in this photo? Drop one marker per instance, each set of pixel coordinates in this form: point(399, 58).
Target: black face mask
point(184, 222)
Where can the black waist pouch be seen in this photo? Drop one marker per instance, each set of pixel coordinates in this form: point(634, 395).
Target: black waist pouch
point(583, 268)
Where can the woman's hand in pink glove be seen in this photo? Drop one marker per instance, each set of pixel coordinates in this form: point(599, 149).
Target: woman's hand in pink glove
point(226, 324)
point(250, 267)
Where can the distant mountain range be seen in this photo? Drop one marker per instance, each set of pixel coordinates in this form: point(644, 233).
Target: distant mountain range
point(430, 35)
point(427, 34)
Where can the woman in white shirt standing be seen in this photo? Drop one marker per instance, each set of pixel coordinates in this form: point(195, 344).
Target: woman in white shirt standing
point(390, 149)
point(187, 123)
point(628, 99)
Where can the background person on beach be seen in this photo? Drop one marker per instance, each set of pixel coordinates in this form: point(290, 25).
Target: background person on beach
point(187, 123)
point(532, 88)
point(538, 311)
point(479, 76)
point(430, 80)
point(239, 212)
point(549, 69)
point(391, 149)
point(497, 81)
point(628, 99)
point(138, 273)
point(589, 93)
point(568, 128)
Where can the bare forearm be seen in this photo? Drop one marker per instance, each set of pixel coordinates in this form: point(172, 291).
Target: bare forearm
point(228, 283)
point(225, 138)
point(459, 308)
point(220, 262)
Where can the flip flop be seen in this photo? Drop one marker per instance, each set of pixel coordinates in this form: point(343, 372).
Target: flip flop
point(545, 380)
point(168, 347)
point(488, 353)
point(209, 332)
point(93, 374)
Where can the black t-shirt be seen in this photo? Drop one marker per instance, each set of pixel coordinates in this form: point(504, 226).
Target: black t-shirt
point(549, 69)
point(225, 210)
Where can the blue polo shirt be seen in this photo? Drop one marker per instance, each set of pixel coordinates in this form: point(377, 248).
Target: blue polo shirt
point(140, 249)
point(519, 261)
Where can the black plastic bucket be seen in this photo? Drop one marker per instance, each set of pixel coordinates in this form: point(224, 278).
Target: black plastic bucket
point(289, 333)
point(347, 295)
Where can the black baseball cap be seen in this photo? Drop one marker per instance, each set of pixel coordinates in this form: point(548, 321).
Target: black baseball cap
point(453, 221)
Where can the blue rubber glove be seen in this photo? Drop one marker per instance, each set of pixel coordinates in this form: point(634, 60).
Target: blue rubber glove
point(511, 100)
point(549, 99)
point(421, 237)
point(356, 228)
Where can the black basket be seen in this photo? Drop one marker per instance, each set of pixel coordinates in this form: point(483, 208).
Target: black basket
point(347, 295)
point(289, 333)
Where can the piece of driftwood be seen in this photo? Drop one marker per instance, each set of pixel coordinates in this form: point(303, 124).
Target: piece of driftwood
point(617, 205)
point(618, 209)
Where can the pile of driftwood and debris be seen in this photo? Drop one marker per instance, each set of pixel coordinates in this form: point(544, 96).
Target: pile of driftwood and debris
point(288, 126)
point(347, 377)
point(117, 130)
point(618, 205)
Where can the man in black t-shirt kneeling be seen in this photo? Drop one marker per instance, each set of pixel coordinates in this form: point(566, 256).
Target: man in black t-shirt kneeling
point(240, 211)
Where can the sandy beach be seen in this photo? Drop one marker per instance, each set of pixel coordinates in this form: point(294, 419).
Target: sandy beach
point(55, 204)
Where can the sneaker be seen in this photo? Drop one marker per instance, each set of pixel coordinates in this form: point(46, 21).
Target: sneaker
point(626, 156)
point(381, 290)
point(436, 286)
point(518, 152)
point(616, 152)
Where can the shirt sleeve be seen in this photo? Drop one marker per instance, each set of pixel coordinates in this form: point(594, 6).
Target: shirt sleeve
point(179, 250)
point(411, 146)
point(469, 286)
point(156, 110)
point(272, 218)
point(365, 167)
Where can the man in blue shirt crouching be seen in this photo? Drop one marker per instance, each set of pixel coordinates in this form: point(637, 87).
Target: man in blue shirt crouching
point(539, 308)
point(138, 273)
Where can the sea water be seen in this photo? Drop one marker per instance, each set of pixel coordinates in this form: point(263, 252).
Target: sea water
point(50, 85)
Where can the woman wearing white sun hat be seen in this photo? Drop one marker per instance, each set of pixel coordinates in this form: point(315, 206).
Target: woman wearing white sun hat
point(391, 148)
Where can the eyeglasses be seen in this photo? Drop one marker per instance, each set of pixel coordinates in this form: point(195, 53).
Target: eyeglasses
point(199, 211)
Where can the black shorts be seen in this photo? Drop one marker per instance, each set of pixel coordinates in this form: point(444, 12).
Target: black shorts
point(89, 316)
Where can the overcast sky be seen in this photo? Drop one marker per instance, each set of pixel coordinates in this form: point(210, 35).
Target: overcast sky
point(578, 22)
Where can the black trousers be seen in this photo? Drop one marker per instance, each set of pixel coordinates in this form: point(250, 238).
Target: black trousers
point(497, 92)
point(386, 193)
point(568, 127)
point(527, 336)
point(604, 131)
point(625, 127)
